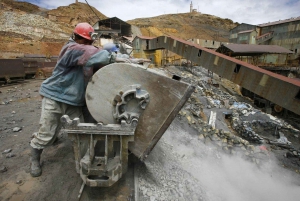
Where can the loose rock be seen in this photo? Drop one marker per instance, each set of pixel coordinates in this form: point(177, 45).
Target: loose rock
point(3, 169)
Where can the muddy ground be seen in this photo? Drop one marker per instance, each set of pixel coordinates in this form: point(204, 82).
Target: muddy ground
point(181, 166)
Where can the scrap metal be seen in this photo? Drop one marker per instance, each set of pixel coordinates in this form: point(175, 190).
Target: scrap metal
point(11, 69)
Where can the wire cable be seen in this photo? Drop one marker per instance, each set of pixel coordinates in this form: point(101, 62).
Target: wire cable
point(93, 11)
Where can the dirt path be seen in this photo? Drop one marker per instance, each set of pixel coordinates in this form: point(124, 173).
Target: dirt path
point(22, 109)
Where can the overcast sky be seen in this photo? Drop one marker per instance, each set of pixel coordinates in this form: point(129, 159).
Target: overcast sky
point(242, 11)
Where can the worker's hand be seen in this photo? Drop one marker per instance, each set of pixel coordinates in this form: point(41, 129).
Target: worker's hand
point(123, 60)
point(139, 61)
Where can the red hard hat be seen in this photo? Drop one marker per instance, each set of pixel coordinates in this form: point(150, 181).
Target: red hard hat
point(84, 29)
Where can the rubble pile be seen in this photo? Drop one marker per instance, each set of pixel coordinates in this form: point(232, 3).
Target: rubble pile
point(246, 133)
point(228, 142)
point(249, 128)
point(267, 129)
point(243, 128)
point(216, 98)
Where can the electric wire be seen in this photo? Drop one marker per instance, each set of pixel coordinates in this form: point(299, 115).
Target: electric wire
point(93, 11)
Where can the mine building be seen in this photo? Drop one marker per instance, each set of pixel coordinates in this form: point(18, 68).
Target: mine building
point(284, 33)
point(140, 45)
point(113, 27)
point(113, 30)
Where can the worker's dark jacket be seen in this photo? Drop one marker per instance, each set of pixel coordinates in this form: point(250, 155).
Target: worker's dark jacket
point(74, 67)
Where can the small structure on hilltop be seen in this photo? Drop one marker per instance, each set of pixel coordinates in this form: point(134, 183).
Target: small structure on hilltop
point(192, 10)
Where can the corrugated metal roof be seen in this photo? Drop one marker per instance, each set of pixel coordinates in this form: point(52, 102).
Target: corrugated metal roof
point(279, 22)
point(246, 48)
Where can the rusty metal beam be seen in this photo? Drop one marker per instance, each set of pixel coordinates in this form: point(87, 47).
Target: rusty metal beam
point(278, 89)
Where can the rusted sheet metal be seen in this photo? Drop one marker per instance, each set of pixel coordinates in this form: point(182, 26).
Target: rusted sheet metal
point(270, 88)
point(286, 93)
point(250, 66)
point(47, 64)
point(157, 116)
point(34, 56)
point(225, 68)
point(30, 67)
point(255, 49)
point(179, 49)
point(195, 55)
point(11, 68)
point(279, 22)
point(170, 43)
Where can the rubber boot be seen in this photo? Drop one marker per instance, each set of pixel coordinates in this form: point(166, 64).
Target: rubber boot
point(35, 167)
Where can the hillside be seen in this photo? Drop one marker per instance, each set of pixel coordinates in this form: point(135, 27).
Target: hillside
point(186, 26)
point(17, 6)
point(27, 28)
point(74, 13)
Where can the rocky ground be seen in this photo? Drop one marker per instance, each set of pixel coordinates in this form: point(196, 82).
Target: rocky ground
point(248, 156)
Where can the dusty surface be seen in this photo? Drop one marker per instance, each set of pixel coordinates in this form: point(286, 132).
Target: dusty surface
point(59, 180)
point(194, 161)
point(187, 164)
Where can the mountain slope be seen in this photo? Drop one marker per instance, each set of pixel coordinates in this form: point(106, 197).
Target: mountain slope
point(74, 13)
point(27, 28)
point(21, 7)
point(186, 26)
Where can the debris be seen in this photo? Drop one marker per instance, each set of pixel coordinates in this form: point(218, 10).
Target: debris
point(6, 151)
point(263, 148)
point(19, 182)
point(81, 190)
point(238, 105)
point(17, 129)
point(283, 139)
point(10, 155)
point(227, 115)
point(289, 155)
point(4, 102)
point(201, 137)
point(212, 119)
point(3, 169)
